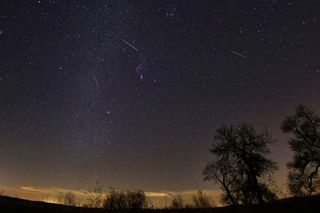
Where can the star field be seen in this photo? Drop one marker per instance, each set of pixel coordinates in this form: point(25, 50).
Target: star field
point(129, 93)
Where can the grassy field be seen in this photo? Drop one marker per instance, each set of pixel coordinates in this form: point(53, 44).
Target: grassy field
point(303, 204)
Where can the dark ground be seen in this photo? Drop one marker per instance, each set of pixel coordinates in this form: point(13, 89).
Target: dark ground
point(292, 205)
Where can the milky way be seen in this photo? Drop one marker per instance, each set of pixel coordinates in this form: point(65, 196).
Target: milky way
point(129, 93)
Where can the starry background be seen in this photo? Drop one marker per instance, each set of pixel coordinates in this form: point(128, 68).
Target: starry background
point(129, 93)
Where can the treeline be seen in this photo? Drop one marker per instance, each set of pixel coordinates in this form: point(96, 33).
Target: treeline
point(97, 198)
point(136, 199)
point(241, 168)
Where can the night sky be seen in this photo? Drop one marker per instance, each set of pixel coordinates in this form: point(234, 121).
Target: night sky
point(129, 93)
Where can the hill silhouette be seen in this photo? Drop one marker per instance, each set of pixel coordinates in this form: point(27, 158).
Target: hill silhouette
point(292, 205)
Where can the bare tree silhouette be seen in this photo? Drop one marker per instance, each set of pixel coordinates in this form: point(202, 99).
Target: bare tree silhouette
point(115, 200)
point(221, 171)
point(240, 161)
point(125, 200)
point(201, 200)
point(95, 196)
point(176, 202)
point(303, 178)
point(136, 199)
point(67, 198)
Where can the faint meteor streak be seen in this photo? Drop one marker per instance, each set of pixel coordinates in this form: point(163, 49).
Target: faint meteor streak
point(238, 54)
point(95, 80)
point(130, 45)
point(139, 68)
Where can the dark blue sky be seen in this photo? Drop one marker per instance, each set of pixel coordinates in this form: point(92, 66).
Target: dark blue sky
point(129, 93)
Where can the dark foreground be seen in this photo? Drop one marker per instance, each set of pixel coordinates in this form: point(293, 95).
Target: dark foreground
point(292, 205)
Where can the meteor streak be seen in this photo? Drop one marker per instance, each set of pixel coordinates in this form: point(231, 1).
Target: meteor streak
point(238, 54)
point(130, 45)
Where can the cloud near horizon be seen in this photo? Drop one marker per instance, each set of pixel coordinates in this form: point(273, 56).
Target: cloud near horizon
point(49, 194)
point(54, 190)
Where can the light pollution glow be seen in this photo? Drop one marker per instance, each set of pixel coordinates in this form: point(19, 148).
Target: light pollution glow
point(155, 199)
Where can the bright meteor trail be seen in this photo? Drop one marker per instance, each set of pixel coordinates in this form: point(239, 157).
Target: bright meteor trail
point(130, 45)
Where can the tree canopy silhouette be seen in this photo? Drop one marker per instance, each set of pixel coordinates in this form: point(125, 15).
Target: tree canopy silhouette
point(125, 200)
point(239, 162)
point(303, 178)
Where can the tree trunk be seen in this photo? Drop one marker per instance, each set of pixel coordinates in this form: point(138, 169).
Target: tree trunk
point(258, 190)
point(231, 198)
